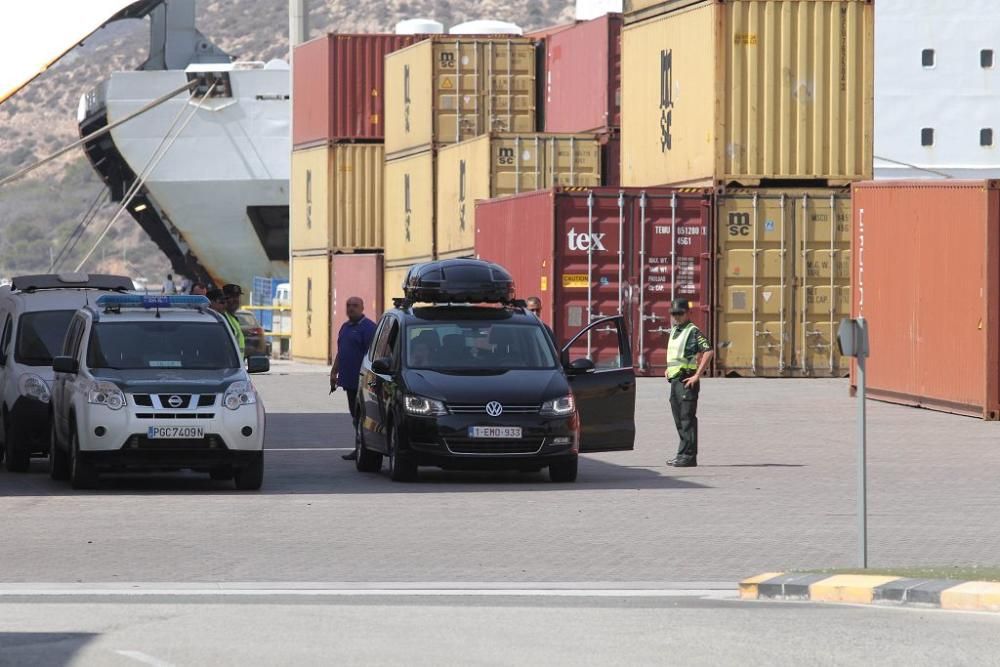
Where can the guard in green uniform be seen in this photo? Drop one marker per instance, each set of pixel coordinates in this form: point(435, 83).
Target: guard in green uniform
point(688, 355)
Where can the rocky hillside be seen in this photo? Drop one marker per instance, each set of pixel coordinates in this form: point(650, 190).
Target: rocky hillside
point(39, 212)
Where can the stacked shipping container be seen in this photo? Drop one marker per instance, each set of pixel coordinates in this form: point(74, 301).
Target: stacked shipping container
point(461, 126)
point(337, 182)
point(769, 102)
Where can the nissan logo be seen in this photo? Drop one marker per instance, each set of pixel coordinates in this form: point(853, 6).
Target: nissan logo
point(494, 409)
point(175, 401)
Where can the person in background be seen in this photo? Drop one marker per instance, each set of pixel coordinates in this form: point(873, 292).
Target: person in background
point(534, 305)
point(217, 302)
point(199, 289)
point(233, 293)
point(688, 355)
point(168, 285)
point(353, 341)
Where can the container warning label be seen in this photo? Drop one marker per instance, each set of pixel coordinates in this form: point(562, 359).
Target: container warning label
point(575, 280)
point(545, 284)
point(746, 39)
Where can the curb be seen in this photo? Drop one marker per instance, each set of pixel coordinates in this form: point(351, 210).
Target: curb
point(871, 589)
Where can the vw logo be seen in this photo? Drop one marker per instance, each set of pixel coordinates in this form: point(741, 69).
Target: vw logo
point(494, 409)
point(175, 401)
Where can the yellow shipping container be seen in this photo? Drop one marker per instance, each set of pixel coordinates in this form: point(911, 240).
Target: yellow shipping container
point(409, 209)
point(784, 281)
point(505, 164)
point(447, 89)
point(392, 283)
point(311, 299)
point(336, 198)
point(745, 91)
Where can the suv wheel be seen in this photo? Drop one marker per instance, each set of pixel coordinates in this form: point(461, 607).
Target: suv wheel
point(401, 469)
point(17, 458)
point(366, 460)
point(564, 471)
point(81, 474)
point(58, 459)
point(251, 476)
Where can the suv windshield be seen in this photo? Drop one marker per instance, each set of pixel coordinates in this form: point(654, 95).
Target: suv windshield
point(478, 345)
point(40, 336)
point(161, 344)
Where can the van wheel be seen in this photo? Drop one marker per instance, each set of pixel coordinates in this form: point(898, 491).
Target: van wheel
point(251, 476)
point(564, 471)
point(58, 459)
point(401, 469)
point(81, 474)
point(17, 458)
point(366, 460)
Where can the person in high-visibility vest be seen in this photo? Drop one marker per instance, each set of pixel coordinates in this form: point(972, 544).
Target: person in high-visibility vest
point(688, 355)
point(233, 296)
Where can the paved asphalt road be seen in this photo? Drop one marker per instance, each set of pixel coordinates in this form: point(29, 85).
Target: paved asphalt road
point(775, 491)
point(677, 628)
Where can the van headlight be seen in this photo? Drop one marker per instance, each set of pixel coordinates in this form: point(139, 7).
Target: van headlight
point(32, 386)
point(425, 407)
point(239, 394)
point(106, 393)
point(559, 407)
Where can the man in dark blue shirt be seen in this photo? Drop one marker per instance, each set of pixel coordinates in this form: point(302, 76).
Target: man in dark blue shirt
point(355, 337)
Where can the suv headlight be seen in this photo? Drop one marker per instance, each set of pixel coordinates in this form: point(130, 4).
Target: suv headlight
point(425, 407)
point(32, 386)
point(239, 394)
point(106, 393)
point(559, 407)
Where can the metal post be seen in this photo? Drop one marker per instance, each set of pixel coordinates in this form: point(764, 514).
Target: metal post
point(862, 454)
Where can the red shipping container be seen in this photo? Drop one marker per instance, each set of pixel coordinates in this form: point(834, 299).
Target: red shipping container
point(354, 274)
point(593, 253)
point(337, 87)
point(926, 277)
point(582, 79)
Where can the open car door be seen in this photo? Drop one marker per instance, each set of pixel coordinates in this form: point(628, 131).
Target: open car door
point(603, 385)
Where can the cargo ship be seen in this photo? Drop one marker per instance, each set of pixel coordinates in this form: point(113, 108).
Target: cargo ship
point(212, 171)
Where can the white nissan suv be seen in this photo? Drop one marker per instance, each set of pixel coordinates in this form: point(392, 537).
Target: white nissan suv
point(155, 383)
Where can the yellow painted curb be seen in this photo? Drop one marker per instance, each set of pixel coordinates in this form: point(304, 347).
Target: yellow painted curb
point(748, 587)
point(972, 596)
point(857, 588)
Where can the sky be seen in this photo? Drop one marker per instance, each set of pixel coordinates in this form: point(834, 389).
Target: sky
point(33, 33)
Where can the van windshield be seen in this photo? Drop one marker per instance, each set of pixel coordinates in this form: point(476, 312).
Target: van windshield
point(40, 336)
point(161, 344)
point(460, 346)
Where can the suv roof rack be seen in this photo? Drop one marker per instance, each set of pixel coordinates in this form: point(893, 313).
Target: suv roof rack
point(47, 281)
point(459, 281)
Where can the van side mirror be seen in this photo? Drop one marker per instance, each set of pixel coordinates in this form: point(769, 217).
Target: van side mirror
point(258, 364)
point(382, 366)
point(582, 366)
point(66, 365)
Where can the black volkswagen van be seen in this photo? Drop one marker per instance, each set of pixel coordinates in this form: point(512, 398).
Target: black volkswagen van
point(461, 376)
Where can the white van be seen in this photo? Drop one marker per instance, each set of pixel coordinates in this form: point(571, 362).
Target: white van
point(35, 312)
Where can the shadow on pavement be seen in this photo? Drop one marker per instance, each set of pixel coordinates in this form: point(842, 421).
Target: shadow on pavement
point(41, 648)
point(303, 455)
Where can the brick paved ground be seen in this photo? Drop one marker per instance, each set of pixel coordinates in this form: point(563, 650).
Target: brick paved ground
point(776, 490)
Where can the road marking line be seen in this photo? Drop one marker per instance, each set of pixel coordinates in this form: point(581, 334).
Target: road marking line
point(376, 592)
point(145, 658)
point(309, 449)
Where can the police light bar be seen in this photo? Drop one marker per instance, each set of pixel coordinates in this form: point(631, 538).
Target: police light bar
point(119, 301)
